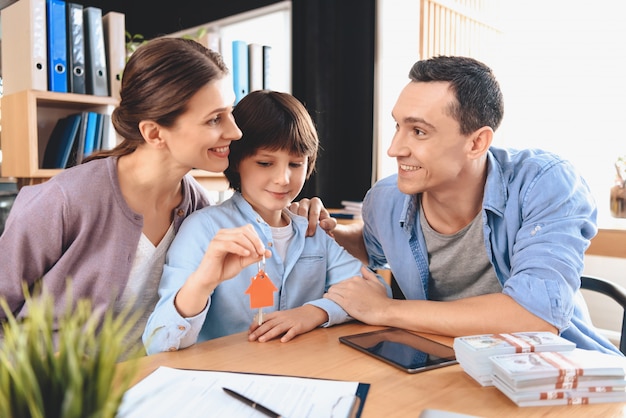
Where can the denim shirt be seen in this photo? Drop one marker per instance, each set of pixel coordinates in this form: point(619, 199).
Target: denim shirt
point(312, 265)
point(538, 218)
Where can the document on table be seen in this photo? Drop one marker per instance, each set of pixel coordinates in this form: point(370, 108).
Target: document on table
point(170, 392)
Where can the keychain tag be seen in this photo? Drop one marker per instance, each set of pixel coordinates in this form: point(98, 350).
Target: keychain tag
point(261, 291)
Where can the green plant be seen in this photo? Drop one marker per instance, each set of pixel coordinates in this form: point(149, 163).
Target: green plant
point(133, 42)
point(69, 373)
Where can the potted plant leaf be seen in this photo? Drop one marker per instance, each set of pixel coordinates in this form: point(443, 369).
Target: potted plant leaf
point(70, 373)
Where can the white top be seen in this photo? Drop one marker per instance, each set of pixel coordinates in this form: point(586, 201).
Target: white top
point(145, 275)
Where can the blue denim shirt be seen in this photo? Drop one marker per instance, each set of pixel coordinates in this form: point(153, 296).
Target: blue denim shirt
point(538, 217)
point(312, 265)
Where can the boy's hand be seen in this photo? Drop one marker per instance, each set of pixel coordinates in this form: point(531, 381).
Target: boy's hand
point(289, 323)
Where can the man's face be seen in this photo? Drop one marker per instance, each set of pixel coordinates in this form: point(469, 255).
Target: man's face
point(428, 146)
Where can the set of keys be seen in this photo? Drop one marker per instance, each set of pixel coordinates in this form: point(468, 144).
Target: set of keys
point(261, 291)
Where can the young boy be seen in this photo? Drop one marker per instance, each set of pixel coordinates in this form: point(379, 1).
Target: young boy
point(219, 249)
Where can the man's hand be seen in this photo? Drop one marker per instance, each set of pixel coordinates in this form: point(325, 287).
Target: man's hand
point(363, 298)
point(314, 210)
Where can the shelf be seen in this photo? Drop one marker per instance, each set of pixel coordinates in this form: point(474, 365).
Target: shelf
point(28, 118)
point(211, 181)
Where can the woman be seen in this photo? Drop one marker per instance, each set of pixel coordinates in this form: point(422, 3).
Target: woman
point(107, 223)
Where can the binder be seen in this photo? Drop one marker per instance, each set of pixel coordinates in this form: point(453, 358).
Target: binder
point(57, 46)
point(99, 130)
point(75, 49)
point(61, 141)
point(108, 133)
point(255, 67)
point(78, 149)
point(114, 26)
point(95, 57)
point(240, 69)
point(267, 67)
point(24, 46)
point(90, 135)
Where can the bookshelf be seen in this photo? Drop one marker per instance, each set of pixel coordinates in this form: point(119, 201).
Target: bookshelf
point(30, 115)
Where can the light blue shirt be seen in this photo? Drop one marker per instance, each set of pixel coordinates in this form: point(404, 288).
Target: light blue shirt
point(312, 265)
point(538, 218)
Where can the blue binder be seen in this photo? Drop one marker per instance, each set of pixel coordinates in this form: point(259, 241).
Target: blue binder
point(91, 134)
point(61, 142)
point(57, 45)
point(240, 69)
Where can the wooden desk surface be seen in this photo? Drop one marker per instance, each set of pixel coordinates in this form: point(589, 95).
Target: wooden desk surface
point(393, 393)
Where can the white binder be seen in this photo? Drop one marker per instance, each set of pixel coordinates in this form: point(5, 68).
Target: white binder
point(114, 25)
point(24, 47)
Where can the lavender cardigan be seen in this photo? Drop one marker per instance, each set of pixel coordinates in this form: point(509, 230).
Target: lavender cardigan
point(76, 225)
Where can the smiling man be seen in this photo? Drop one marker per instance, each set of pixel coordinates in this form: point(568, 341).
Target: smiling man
point(479, 239)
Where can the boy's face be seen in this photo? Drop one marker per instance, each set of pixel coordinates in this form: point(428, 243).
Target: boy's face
point(270, 180)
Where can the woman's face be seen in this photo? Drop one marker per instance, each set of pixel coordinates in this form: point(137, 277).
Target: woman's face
point(201, 136)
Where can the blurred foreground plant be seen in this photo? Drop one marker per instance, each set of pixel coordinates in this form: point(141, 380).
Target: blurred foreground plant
point(68, 373)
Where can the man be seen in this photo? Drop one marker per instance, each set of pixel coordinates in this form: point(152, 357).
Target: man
point(479, 239)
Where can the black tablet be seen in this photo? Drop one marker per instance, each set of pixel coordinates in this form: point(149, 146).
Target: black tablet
point(402, 349)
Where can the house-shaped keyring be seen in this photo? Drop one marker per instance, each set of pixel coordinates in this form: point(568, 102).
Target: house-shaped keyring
point(261, 291)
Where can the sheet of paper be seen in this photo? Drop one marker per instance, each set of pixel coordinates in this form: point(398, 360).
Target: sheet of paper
point(169, 392)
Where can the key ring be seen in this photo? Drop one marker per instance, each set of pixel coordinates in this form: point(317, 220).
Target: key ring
point(262, 261)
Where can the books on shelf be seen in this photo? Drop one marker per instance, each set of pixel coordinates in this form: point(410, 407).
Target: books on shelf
point(75, 137)
point(57, 45)
point(560, 378)
point(350, 210)
point(474, 351)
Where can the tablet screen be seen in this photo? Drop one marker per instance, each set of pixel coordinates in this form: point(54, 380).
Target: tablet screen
point(400, 348)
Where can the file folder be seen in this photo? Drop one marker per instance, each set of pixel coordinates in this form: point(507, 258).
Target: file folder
point(90, 135)
point(114, 26)
point(24, 47)
point(75, 49)
point(240, 69)
point(255, 67)
point(95, 57)
point(57, 46)
point(61, 142)
point(267, 67)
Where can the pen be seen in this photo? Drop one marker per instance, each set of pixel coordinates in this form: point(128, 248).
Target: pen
point(252, 404)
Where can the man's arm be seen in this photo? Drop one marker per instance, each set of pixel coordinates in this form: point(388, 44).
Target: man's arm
point(365, 299)
point(350, 237)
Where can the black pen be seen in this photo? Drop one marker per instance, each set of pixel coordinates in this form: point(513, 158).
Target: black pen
point(252, 404)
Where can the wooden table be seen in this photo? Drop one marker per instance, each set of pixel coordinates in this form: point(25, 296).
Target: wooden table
point(393, 393)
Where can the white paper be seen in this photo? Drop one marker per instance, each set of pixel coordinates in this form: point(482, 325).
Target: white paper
point(169, 392)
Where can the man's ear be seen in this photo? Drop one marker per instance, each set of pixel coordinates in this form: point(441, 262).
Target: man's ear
point(481, 141)
point(151, 133)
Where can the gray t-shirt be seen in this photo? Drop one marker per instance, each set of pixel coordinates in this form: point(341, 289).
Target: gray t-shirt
point(458, 263)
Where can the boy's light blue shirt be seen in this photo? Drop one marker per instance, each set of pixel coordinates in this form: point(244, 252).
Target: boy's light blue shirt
point(313, 264)
point(538, 219)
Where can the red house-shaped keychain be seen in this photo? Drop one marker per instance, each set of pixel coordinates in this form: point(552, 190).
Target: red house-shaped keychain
point(261, 291)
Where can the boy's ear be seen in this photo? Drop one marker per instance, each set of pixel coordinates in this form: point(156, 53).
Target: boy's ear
point(151, 133)
point(481, 141)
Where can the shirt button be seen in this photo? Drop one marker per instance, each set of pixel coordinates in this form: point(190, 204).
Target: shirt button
point(180, 212)
point(182, 327)
point(172, 349)
point(258, 220)
point(269, 244)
